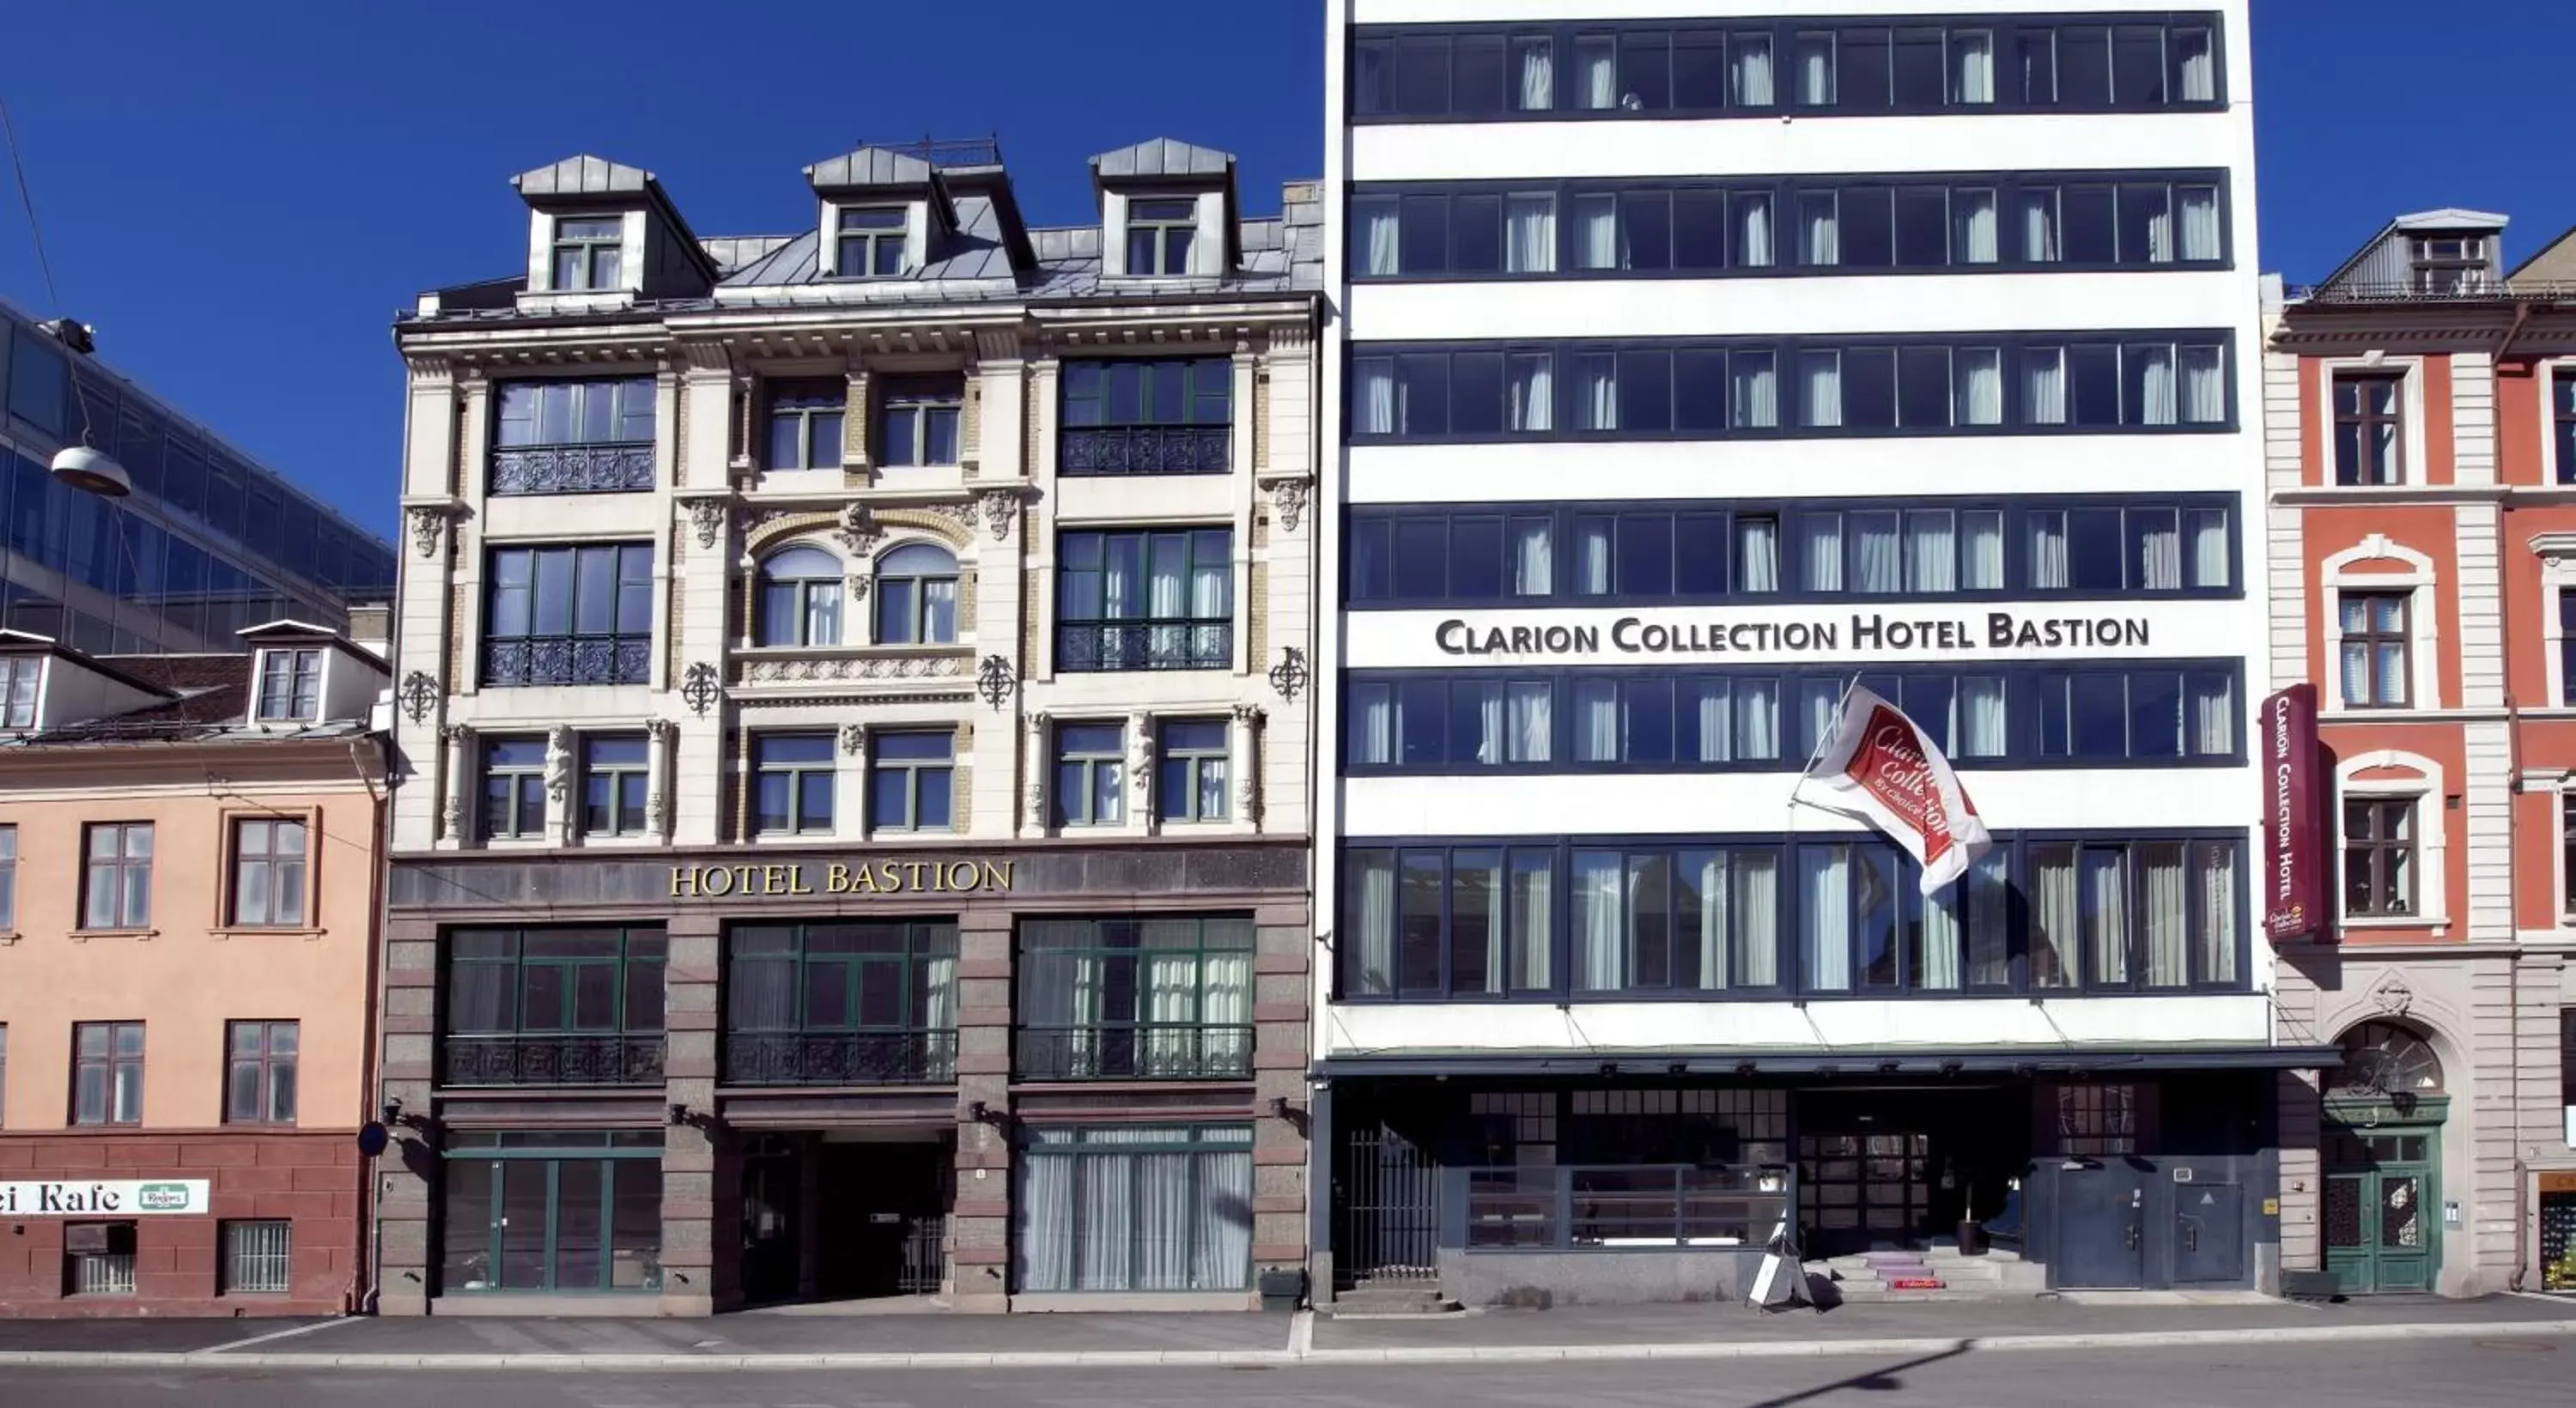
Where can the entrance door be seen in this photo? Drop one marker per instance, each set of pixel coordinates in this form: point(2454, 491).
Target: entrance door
point(2101, 1227)
point(2381, 1234)
point(771, 1180)
point(1864, 1190)
point(883, 1218)
point(1390, 1200)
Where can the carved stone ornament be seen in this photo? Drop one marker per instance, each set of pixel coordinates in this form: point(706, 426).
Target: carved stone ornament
point(963, 513)
point(559, 762)
point(1140, 760)
point(708, 517)
point(1001, 507)
point(1289, 497)
point(859, 531)
point(795, 670)
point(662, 731)
point(859, 584)
point(426, 521)
point(1252, 714)
point(854, 739)
point(1247, 797)
point(2392, 996)
point(1035, 815)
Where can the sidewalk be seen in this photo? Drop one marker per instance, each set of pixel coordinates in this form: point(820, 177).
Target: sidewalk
point(755, 1342)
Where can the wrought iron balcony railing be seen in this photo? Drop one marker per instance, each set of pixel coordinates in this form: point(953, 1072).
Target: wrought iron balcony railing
point(621, 467)
point(1133, 1053)
point(1146, 449)
point(1145, 645)
point(558, 1059)
point(840, 1058)
point(535, 660)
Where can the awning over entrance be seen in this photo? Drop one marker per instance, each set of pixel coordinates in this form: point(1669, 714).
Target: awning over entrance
point(1909, 1061)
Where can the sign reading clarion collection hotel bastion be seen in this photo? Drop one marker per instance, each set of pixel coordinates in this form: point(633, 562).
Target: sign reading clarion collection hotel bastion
point(1722, 633)
point(759, 880)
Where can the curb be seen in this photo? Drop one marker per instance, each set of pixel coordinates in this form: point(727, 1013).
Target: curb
point(1275, 1358)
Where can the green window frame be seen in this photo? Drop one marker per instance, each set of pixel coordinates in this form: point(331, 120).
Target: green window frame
point(1135, 997)
point(890, 985)
point(1177, 1183)
point(1149, 391)
point(553, 981)
point(503, 1204)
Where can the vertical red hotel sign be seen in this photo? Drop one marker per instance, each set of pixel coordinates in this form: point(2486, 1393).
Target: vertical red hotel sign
point(2293, 822)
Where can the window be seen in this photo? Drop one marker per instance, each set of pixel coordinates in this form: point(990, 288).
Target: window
point(569, 615)
point(1473, 922)
point(116, 883)
point(587, 253)
point(916, 595)
point(269, 862)
point(1159, 234)
point(2567, 853)
point(1090, 774)
point(259, 1072)
point(514, 789)
point(1197, 758)
point(840, 1003)
point(2562, 424)
point(1132, 1209)
point(793, 778)
point(259, 1258)
point(2369, 428)
point(8, 878)
point(552, 1006)
point(551, 1211)
point(615, 776)
point(2377, 664)
point(2097, 1121)
point(2379, 857)
point(1138, 600)
point(917, 420)
point(107, 1073)
point(39, 381)
point(98, 1258)
point(573, 437)
point(20, 675)
point(2141, 715)
point(1163, 416)
point(1693, 390)
point(800, 598)
point(290, 686)
point(805, 419)
point(4, 1075)
point(1160, 998)
point(874, 241)
point(911, 780)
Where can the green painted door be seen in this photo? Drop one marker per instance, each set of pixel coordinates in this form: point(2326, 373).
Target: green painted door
point(2382, 1221)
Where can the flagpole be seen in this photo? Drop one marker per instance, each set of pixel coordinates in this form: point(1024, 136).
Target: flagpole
point(1825, 735)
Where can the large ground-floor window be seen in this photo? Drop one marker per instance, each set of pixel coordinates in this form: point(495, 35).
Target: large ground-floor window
point(1134, 1209)
point(537, 1210)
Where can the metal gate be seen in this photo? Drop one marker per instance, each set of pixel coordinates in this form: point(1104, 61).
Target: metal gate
point(925, 1257)
point(1390, 1201)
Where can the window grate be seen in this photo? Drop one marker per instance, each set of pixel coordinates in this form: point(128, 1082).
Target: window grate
point(258, 1258)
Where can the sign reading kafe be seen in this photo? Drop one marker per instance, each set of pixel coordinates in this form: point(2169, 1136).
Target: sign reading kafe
point(856, 877)
point(160, 1197)
point(2293, 817)
point(1860, 632)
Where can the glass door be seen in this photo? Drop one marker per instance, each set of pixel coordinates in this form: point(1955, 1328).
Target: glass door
point(2381, 1231)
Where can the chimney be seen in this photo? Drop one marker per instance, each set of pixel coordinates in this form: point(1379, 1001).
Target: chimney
point(371, 628)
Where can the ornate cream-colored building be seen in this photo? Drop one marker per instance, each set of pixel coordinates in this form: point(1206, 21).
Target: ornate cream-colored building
point(851, 835)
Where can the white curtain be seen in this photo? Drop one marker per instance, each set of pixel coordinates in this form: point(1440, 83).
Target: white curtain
point(1819, 230)
point(1223, 1217)
point(1972, 59)
point(1751, 58)
point(2199, 222)
point(1757, 554)
point(1385, 238)
point(1478, 880)
point(2159, 549)
point(1596, 721)
point(2208, 547)
point(1931, 552)
point(1757, 719)
point(1533, 551)
point(1815, 68)
point(1529, 234)
point(1974, 213)
point(1822, 373)
point(2156, 384)
point(1596, 232)
point(2168, 928)
point(1592, 557)
point(1981, 717)
point(2039, 231)
point(2048, 552)
point(1984, 558)
point(2199, 67)
point(2106, 902)
point(2213, 715)
point(1373, 915)
point(1756, 391)
point(1596, 393)
point(1710, 880)
point(2056, 959)
point(1375, 402)
point(1596, 75)
point(1531, 729)
point(1045, 1241)
point(1377, 724)
point(1980, 386)
point(1820, 548)
point(1212, 590)
point(1878, 557)
point(1828, 918)
point(1753, 230)
point(1937, 969)
point(1489, 723)
point(1596, 921)
point(2160, 224)
point(1824, 700)
point(1710, 703)
point(1538, 76)
point(2215, 873)
point(2043, 389)
point(1103, 1247)
point(2204, 386)
point(1757, 918)
point(1989, 892)
point(1533, 392)
point(1533, 905)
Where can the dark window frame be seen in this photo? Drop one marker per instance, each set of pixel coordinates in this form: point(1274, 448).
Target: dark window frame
point(2373, 641)
point(798, 773)
point(2562, 423)
point(522, 785)
point(2361, 420)
point(917, 773)
point(290, 684)
point(270, 1066)
point(585, 238)
point(1119, 1038)
point(125, 909)
point(1103, 768)
point(523, 1040)
point(1183, 428)
point(623, 808)
point(2390, 881)
point(858, 960)
point(918, 416)
point(112, 1067)
point(816, 412)
point(281, 901)
point(531, 657)
point(614, 1157)
point(885, 247)
point(1139, 639)
point(1150, 216)
point(1181, 771)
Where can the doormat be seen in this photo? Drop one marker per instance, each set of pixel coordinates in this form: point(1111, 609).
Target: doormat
point(1915, 1283)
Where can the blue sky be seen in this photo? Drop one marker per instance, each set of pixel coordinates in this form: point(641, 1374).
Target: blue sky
point(228, 191)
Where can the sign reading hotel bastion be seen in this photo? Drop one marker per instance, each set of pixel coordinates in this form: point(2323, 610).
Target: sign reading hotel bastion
point(1723, 633)
point(757, 880)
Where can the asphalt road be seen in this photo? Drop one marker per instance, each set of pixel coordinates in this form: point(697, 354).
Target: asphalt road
point(2455, 1374)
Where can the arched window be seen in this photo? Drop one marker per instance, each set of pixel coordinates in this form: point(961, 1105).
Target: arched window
point(800, 598)
point(2383, 1058)
point(916, 596)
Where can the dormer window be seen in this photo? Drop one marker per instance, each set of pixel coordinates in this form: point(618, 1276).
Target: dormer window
point(18, 678)
point(588, 253)
point(2450, 264)
point(874, 241)
point(1159, 235)
point(290, 686)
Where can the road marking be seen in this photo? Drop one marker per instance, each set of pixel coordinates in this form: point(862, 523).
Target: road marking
point(1301, 1334)
point(288, 1333)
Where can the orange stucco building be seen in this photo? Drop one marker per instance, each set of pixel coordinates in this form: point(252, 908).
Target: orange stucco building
point(2421, 428)
point(188, 900)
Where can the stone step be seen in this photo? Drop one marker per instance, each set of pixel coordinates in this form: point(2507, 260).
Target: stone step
point(1391, 1300)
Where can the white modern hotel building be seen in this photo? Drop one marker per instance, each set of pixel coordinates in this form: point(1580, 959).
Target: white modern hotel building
point(1693, 358)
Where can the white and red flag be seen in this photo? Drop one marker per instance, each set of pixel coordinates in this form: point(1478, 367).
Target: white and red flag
point(1876, 765)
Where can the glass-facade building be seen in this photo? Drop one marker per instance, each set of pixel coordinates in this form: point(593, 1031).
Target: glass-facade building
point(208, 543)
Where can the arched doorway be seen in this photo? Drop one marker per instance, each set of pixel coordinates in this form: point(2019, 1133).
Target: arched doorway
point(2382, 1152)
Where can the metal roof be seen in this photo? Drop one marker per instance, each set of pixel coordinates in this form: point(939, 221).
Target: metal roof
point(1163, 156)
point(868, 168)
point(584, 176)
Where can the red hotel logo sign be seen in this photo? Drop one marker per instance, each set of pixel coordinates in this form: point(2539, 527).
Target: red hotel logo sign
point(2293, 827)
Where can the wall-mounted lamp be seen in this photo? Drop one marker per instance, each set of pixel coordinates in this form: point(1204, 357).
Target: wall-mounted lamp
point(679, 1114)
point(1678, 1068)
point(392, 1111)
point(1889, 1068)
point(982, 1113)
point(1279, 1107)
point(1953, 1068)
point(1609, 1068)
point(1747, 1069)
